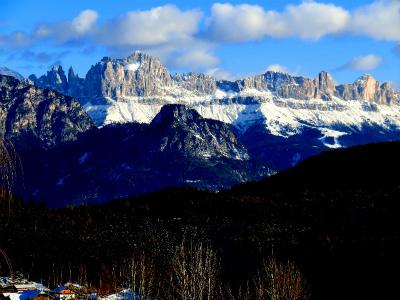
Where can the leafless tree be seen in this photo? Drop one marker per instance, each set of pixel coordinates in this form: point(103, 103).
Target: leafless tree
point(195, 269)
point(7, 260)
point(8, 170)
point(244, 293)
point(143, 276)
point(138, 273)
point(280, 281)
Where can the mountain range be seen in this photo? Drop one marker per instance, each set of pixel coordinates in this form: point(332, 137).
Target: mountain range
point(135, 88)
point(134, 127)
point(301, 116)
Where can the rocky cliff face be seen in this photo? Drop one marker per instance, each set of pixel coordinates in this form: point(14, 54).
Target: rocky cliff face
point(141, 75)
point(288, 86)
point(54, 79)
point(137, 75)
point(42, 113)
point(325, 84)
point(177, 129)
point(201, 84)
point(367, 88)
point(76, 85)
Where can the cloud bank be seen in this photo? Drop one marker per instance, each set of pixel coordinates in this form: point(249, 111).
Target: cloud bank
point(277, 68)
point(189, 38)
point(244, 22)
point(363, 63)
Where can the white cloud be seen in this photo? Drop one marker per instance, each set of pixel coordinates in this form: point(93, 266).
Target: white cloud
point(379, 20)
point(237, 23)
point(186, 39)
point(307, 20)
point(166, 32)
point(64, 32)
point(159, 25)
point(277, 68)
point(314, 20)
point(221, 74)
point(364, 63)
point(18, 38)
point(227, 23)
point(196, 59)
point(84, 22)
point(244, 22)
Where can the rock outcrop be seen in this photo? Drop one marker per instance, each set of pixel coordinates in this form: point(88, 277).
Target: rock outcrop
point(54, 79)
point(76, 85)
point(367, 88)
point(200, 84)
point(284, 85)
point(42, 113)
point(325, 84)
point(177, 129)
point(137, 75)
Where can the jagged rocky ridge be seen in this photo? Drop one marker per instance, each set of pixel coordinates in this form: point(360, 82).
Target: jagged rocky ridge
point(135, 88)
point(48, 116)
point(141, 75)
point(178, 148)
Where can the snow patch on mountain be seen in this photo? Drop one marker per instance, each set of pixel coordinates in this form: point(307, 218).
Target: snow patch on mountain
point(281, 117)
point(132, 67)
point(331, 137)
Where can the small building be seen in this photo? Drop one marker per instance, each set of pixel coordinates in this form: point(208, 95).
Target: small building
point(64, 293)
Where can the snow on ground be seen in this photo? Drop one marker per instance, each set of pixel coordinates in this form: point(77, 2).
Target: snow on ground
point(122, 295)
point(25, 295)
point(30, 288)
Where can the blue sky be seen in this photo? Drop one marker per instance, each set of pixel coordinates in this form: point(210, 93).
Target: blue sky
point(228, 39)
